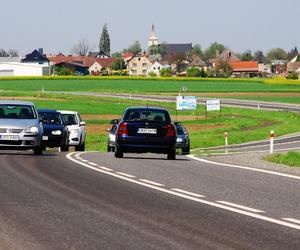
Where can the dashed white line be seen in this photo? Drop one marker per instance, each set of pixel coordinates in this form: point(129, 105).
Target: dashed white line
point(241, 207)
point(153, 183)
point(127, 175)
point(84, 160)
point(107, 169)
point(292, 220)
point(187, 192)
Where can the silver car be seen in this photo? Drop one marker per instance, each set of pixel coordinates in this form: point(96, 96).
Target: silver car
point(20, 127)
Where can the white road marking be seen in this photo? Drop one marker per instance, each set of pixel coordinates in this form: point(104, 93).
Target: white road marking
point(241, 207)
point(77, 156)
point(292, 220)
point(209, 203)
point(127, 175)
point(93, 164)
point(153, 183)
point(188, 193)
point(84, 160)
point(107, 169)
point(242, 167)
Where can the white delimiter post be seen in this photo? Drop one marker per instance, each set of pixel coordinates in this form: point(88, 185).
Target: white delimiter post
point(272, 135)
point(226, 139)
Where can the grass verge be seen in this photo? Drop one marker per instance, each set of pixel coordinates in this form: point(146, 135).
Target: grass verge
point(291, 159)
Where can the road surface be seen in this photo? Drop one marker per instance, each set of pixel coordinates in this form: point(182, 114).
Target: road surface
point(94, 201)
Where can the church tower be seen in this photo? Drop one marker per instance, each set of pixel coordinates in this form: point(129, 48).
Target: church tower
point(153, 40)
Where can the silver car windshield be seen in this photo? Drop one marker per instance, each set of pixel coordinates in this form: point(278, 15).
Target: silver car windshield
point(17, 112)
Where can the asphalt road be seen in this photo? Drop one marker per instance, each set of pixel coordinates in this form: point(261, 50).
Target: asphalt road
point(94, 201)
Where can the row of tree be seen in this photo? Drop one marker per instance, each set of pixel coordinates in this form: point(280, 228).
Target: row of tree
point(7, 53)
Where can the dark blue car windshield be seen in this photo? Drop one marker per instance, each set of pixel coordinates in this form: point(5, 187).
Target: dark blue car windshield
point(147, 115)
point(51, 118)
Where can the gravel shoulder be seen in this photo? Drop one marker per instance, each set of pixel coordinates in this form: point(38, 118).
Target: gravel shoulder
point(254, 160)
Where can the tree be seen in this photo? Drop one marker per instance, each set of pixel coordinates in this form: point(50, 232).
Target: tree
point(277, 54)
point(135, 48)
point(118, 64)
point(104, 44)
point(213, 50)
point(224, 68)
point(3, 53)
point(197, 50)
point(81, 48)
point(193, 72)
point(13, 53)
point(165, 72)
point(247, 55)
point(116, 54)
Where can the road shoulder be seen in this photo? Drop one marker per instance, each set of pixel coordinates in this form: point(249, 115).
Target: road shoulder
point(253, 160)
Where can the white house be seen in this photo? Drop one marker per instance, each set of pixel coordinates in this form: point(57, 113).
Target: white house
point(298, 72)
point(24, 69)
point(155, 68)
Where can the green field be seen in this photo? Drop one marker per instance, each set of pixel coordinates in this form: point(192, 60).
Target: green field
point(146, 86)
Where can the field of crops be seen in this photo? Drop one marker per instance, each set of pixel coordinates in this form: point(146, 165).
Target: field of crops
point(149, 85)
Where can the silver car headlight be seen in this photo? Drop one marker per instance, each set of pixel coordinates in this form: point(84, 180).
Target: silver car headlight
point(74, 132)
point(31, 130)
point(179, 140)
point(56, 132)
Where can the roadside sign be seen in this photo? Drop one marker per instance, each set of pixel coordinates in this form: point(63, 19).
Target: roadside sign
point(186, 103)
point(213, 105)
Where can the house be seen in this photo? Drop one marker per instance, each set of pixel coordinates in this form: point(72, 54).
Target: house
point(292, 67)
point(264, 67)
point(178, 48)
point(101, 66)
point(298, 72)
point(155, 68)
point(244, 68)
point(138, 65)
point(83, 65)
point(196, 62)
point(227, 55)
point(24, 69)
point(36, 57)
point(98, 54)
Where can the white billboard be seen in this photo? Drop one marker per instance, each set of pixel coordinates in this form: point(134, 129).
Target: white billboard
point(186, 102)
point(213, 105)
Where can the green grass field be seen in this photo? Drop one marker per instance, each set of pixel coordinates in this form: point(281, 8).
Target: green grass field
point(146, 86)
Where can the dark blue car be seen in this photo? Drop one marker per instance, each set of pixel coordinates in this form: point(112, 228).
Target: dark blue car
point(146, 129)
point(55, 131)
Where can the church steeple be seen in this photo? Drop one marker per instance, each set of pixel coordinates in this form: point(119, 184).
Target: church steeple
point(153, 40)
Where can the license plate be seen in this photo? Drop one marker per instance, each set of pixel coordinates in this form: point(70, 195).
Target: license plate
point(147, 131)
point(9, 137)
point(45, 138)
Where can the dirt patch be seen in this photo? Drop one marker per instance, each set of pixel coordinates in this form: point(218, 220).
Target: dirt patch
point(265, 124)
point(100, 117)
point(32, 98)
point(249, 94)
point(97, 128)
point(197, 127)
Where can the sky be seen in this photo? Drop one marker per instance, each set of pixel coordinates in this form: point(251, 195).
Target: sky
point(57, 25)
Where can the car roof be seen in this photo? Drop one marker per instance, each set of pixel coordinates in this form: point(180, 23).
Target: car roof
point(13, 102)
point(67, 112)
point(150, 108)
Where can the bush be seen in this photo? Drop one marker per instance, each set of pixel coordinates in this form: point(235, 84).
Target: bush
point(166, 72)
point(293, 76)
point(193, 72)
point(152, 74)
